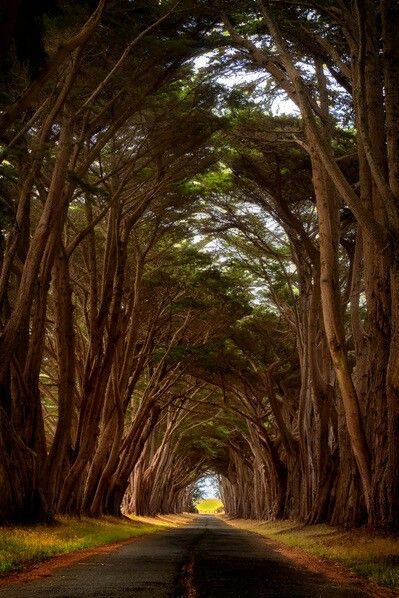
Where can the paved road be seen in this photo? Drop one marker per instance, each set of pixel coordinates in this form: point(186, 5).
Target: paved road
point(206, 559)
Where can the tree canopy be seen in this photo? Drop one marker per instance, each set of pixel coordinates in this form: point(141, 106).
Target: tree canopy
point(198, 258)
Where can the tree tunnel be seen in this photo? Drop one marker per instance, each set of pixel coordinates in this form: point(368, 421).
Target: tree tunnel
point(207, 438)
point(198, 258)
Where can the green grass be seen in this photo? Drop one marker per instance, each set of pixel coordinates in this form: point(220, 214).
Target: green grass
point(24, 545)
point(209, 505)
point(375, 556)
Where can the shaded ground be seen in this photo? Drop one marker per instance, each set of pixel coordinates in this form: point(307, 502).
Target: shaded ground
point(372, 554)
point(207, 559)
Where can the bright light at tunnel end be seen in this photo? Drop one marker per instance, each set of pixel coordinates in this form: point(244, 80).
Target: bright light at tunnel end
point(209, 486)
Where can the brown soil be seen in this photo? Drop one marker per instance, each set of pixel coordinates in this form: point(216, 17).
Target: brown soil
point(335, 572)
point(31, 572)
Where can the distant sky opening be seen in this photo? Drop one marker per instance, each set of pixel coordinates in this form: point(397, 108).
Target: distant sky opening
point(209, 486)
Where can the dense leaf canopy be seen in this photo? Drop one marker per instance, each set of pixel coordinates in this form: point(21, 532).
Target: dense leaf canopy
point(198, 251)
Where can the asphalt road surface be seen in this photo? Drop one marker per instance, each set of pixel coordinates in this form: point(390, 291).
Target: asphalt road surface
point(206, 559)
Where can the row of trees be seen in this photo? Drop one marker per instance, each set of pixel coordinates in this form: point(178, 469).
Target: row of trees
point(342, 56)
point(190, 282)
point(92, 301)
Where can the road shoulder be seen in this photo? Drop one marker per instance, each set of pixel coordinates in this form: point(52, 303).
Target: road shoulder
point(292, 541)
point(30, 553)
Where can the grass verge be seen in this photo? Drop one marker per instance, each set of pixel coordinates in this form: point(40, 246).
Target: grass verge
point(209, 505)
point(371, 555)
point(20, 546)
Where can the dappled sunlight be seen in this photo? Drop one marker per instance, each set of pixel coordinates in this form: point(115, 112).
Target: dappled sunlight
point(163, 520)
point(199, 275)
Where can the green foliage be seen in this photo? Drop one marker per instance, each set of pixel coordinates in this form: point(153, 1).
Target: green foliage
point(218, 179)
point(91, 190)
